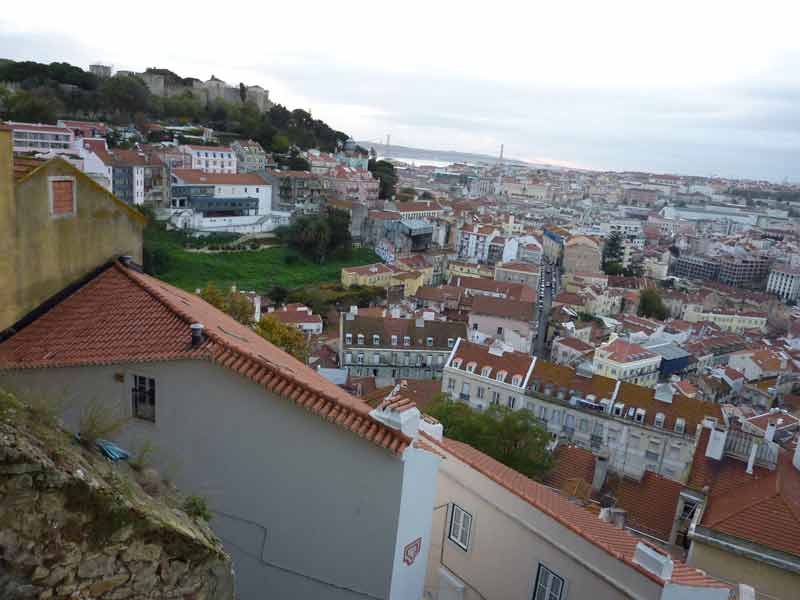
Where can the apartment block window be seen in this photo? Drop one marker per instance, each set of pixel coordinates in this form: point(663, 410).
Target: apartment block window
point(480, 392)
point(451, 384)
point(512, 401)
point(348, 338)
point(62, 196)
point(680, 425)
point(549, 586)
point(450, 342)
point(406, 341)
point(394, 340)
point(495, 397)
point(143, 395)
point(360, 339)
point(429, 341)
point(376, 340)
point(360, 358)
point(499, 331)
point(460, 526)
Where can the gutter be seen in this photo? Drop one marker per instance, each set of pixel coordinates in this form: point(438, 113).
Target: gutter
point(775, 558)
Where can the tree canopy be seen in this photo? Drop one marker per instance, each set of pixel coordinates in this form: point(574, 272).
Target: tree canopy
point(512, 437)
point(319, 236)
point(387, 178)
point(612, 254)
point(651, 305)
point(284, 336)
point(236, 304)
point(60, 90)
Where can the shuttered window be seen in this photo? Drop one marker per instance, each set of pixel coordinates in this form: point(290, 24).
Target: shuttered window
point(460, 526)
point(62, 197)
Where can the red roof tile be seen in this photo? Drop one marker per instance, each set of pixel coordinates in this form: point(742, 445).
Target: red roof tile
point(763, 508)
point(124, 316)
point(617, 542)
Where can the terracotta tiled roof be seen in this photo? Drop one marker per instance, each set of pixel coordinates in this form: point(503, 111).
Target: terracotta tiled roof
point(23, 166)
point(518, 266)
point(123, 316)
point(617, 542)
point(691, 410)
point(440, 331)
point(512, 362)
point(421, 391)
point(570, 462)
point(575, 344)
point(504, 308)
point(763, 508)
point(622, 352)
point(650, 503)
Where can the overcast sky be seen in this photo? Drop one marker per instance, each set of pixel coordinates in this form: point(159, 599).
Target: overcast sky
point(698, 87)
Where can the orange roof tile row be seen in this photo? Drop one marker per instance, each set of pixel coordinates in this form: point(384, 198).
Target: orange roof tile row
point(123, 316)
point(617, 542)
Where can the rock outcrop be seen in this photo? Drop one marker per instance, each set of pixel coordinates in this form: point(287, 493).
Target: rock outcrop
point(74, 525)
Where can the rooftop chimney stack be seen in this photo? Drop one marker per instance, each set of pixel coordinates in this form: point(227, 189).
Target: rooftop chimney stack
point(769, 434)
point(796, 457)
point(600, 471)
point(197, 334)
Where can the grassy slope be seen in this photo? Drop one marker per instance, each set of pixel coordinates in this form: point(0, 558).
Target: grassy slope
point(256, 270)
point(251, 270)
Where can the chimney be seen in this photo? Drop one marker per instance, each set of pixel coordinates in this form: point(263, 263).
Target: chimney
point(769, 434)
point(197, 334)
point(716, 444)
point(796, 457)
point(600, 471)
point(751, 460)
point(653, 561)
point(257, 307)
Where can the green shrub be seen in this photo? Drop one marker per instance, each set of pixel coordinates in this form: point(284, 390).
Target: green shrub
point(197, 508)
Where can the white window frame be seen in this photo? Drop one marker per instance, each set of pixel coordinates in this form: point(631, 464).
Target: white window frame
point(457, 532)
point(544, 590)
point(348, 338)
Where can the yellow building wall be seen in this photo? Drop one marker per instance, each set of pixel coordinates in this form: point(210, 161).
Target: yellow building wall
point(769, 582)
point(42, 255)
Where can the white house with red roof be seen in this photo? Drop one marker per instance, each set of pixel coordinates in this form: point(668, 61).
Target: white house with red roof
point(314, 493)
point(212, 159)
point(626, 361)
point(298, 316)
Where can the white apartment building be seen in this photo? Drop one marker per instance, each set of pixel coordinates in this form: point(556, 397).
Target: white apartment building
point(784, 282)
point(212, 159)
point(36, 137)
point(629, 362)
point(640, 428)
point(727, 320)
point(625, 227)
point(482, 375)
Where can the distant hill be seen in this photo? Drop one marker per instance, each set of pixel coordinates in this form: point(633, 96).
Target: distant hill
point(421, 155)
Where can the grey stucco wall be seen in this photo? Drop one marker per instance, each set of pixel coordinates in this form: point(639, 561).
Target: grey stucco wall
point(306, 509)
